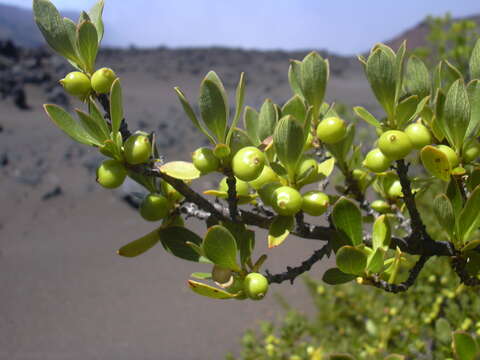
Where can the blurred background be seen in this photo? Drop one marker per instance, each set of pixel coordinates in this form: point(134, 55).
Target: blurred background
point(65, 293)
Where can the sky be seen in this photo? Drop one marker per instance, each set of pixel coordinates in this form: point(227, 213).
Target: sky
point(340, 26)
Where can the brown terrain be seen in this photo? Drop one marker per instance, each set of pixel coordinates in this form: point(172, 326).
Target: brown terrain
point(66, 294)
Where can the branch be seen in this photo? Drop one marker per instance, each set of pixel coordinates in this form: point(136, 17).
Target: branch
point(458, 264)
point(292, 273)
point(232, 196)
point(404, 286)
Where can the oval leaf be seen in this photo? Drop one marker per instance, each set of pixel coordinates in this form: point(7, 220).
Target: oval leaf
point(381, 234)
point(469, 218)
point(140, 245)
point(213, 108)
point(208, 291)
point(464, 346)
point(288, 140)
point(279, 230)
point(176, 240)
point(220, 247)
point(347, 217)
point(351, 260)
point(443, 209)
point(436, 162)
point(67, 124)
point(181, 170)
point(335, 276)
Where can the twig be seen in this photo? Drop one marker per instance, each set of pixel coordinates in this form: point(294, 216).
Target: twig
point(458, 264)
point(232, 196)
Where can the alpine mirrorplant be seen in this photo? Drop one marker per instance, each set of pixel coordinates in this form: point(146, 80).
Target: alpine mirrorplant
point(282, 148)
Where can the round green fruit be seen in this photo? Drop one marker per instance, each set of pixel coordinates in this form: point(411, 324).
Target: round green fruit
point(380, 206)
point(222, 151)
point(205, 161)
point(111, 174)
point(221, 275)
point(419, 135)
point(395, 144)
point(315, 203)
point(286, 201)
point(102, 80)
point(331, 130)
point(155, 207)
point(305, 164)
point(267, 191)
point(255, 286)
point(137, 149)
point(241, 187)
point(471, 151)
point(376, 161)
point(248, 163)
point(267, 176)
point(450, 154)
point(77, 83)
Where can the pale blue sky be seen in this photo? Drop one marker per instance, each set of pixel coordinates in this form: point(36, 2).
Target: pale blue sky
point(342, 26)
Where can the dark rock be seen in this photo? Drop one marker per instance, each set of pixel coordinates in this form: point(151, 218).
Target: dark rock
point(4, 160)
point(57, 191)
point(9, 49)
point(20, 98)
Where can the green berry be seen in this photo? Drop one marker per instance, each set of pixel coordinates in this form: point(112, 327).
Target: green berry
point(395, 144)
point(286, 201)
point(205, 161)
point(222, 151)
point(331, 130)
point(267, 176)
point(155, 207)
point(376, 161)
point(255, 286)
point(306, 163)
point(248, 163)
point(221, 275)
point(419, 135)
point(267, 191)
point(111, 174)
point(241, 187)
point(381, 206)
point(315, 203)
point(137, 149)
point(451, 155)
point(102, 80)
point(77, 83)
point(471, 151)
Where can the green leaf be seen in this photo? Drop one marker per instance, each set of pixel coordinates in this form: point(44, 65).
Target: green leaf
point(53, 28)
point(399, 69)
point(334, 276)
point(382, 78)
point(181, 170)
point(418, 81)
point(351, 260)
point(208, 291)
point(191, 114)
point(464, 346)
point(443, 210)
point(288, 140)
point(325, 168)
point(279, 230)
point(469, 218)
point(314, 77)
point(375, 261)
point(116, 107)
point(443, 331)
point(239, 97)
point(67, 124)
point(456, 114)
point(365, 115)
point(175, 240)
point(295, 107)
point(71, 29)
point(212, 76)
point(267, 120)
point(98, 117)
point(405, 110)
point(201, 275)
point(475, 61)
point(444, 75)
point(381, 233)
point(220, 247)
point(473, 90)
point(87, 44)
point(295, 77)
point(92, 128)
point(213, 108)
point(251, 123)
point(436, 162)
point(95, 15)
point(245, 239)
point(347, 217)
point(140, 245)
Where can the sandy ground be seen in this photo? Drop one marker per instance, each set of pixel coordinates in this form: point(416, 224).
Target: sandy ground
point(65, 294)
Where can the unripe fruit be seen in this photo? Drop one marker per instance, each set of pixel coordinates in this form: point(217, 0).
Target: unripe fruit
point(315, 203)
point(154, 207)
point(111, 174)
point(394, 144)
point(255, 286)
point(267, 191)
point(222, 151)
point(381, 206)
point(248, 163)
point(77, 83)
point(286, 201)
point(204, 160)
point(331, 130)
point(451, 155)
point(419, 135)
point(102, 80)
point(305, 164)
point(241, 187)
point(221, 275)
point(267, 176)
point(137, 149)
point(376, 161)
point(471, 151)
